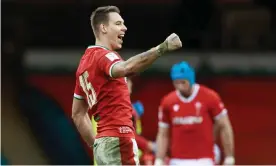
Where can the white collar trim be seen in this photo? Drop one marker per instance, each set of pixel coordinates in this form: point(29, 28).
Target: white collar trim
point(191, 97)
point(96, 46)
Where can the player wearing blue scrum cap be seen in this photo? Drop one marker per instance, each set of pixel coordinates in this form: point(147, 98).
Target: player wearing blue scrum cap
point(187, 117)
point(183, 77)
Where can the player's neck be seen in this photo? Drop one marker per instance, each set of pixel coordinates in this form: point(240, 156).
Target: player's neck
point(188, 93)
point(103, 44)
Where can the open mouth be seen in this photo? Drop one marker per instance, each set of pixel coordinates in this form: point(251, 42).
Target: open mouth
point(121, 37)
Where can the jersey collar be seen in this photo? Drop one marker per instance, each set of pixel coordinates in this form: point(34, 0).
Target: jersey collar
point(97, 46)
point(191, 97)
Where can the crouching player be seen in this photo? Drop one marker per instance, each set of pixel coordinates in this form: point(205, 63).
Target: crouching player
point(187, 116)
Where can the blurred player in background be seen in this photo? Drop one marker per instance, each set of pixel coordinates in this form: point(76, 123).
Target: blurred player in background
point(102, 89)
point(187, 117)
point(146, 147)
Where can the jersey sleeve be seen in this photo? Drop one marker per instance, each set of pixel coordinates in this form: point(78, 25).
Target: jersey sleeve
point(107, 61)
point(78, 92)
point(163, 115)
point(217, 109)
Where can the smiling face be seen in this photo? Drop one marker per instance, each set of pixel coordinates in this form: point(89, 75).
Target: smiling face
point(115, 30)
point(108, 26)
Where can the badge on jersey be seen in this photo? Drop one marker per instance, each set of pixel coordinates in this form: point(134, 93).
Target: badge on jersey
point(176, 107)
point(112, 56)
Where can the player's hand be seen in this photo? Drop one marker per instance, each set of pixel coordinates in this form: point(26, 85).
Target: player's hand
point(173, 42)
point(229, 160)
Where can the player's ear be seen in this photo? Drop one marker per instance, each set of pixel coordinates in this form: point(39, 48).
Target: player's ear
point(103, 28)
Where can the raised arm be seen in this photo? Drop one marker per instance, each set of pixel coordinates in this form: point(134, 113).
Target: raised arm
point(141, 62)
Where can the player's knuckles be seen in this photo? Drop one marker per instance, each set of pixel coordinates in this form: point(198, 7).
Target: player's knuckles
point(171, 37)
point(178, 43)
point(173, 34)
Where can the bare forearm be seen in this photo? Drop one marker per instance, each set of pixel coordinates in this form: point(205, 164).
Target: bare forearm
point(141, 62)
point(216, 132)
point(227, 141)
point(84, 127)
point(162, 146)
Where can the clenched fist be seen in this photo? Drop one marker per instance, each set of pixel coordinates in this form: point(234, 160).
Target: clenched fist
point(174, 42)
point(171, 43)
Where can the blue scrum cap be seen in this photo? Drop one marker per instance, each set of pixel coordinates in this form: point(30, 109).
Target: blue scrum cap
point(183, 70)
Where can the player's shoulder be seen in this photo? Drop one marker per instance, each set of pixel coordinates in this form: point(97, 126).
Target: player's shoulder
point(208, 91)
point(90, 56)
point(95, 49)
point(170, 97)
point(93, 54)
point(101, 52)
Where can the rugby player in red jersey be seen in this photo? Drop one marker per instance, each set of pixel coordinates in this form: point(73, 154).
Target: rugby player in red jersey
point(188, 117)
point(102, 89)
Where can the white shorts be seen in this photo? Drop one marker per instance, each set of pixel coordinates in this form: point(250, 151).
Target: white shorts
point(192, 162)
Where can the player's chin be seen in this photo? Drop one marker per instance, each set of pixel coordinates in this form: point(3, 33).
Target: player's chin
point(119, 46)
